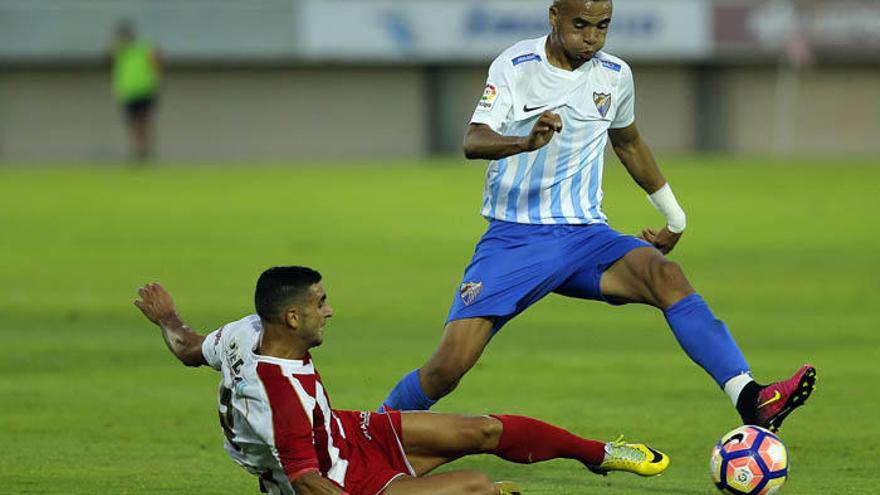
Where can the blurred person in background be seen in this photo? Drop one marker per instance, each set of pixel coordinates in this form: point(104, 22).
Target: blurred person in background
point(137, 72)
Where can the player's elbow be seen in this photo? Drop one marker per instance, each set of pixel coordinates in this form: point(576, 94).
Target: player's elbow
point(191, 357)
point(471, 143)
point(470, 150)
point(189, 362)
point(187, 348)
point(473, 155)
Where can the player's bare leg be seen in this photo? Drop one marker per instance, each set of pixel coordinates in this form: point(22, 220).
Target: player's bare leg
point(433, 439)
point(460, 347)
point(645, 276)
point(455, 483)
point(462, 344)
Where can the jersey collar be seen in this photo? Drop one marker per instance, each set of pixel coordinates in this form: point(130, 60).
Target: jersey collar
point(303, 366)
point(570, 74)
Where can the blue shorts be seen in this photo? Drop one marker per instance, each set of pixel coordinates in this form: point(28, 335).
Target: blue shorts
point(515, 265)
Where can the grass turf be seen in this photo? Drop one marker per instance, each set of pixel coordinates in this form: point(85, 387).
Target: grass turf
point(93, 403)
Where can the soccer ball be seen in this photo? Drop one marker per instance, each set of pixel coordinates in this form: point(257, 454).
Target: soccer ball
point(749, 461)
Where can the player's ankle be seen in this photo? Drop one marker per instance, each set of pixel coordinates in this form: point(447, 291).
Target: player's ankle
point(747, 401)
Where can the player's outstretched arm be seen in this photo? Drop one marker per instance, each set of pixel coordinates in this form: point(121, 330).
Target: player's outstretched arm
point(636, 156)
point(483, 143)
point(158, 306)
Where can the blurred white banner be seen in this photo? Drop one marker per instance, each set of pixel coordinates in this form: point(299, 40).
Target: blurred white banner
point(450, 31)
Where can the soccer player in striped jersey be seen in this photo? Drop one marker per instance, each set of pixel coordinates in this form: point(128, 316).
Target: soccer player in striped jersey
point(549, 107)
point(279, 424)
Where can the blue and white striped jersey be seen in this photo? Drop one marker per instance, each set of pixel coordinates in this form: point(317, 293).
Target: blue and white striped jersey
point(560, 183)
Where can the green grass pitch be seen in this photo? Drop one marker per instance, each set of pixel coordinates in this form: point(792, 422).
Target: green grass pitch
point(91, 401)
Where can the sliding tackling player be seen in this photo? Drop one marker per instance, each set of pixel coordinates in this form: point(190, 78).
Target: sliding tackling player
point(279, 424)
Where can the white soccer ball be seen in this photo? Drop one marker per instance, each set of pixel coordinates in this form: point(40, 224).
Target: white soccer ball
point(749, 461)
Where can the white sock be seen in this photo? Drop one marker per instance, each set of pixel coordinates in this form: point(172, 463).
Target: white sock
point(735, 385)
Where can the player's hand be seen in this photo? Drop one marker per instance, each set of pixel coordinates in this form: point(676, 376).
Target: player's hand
point(156, 304)
point(664, 240)
point(548, 124)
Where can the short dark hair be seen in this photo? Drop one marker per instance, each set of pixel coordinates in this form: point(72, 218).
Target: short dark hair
point(558, 3)
point(279, 286)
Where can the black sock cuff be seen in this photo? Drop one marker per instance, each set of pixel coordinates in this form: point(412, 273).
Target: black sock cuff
point(746, 403)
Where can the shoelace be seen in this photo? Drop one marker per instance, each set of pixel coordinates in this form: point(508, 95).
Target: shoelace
point(620, 451)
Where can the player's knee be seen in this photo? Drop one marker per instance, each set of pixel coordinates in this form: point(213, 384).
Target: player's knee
point(668, 282)
point(444, 377)
point(671, 272)
point(668, 276)
point(490, 433)
point(460, 348)
point(482, 433)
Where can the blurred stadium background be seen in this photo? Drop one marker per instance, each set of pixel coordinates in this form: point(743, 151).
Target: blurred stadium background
point(327, 132)
point(293, 79)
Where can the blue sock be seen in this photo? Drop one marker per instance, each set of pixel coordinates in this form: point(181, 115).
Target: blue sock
point(706, 339)
point(408, 395)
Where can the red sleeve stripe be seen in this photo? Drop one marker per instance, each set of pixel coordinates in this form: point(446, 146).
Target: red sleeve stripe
point(322, 442)
point(290, 423)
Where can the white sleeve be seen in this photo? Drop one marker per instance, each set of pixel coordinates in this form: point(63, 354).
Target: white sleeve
point(626, 106)
point(497, 100)
point(212, 348)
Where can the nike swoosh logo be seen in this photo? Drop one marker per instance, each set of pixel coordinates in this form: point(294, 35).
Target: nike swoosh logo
point(775, 398)
point(739, 437)
point(528, 109)
point(657, 455)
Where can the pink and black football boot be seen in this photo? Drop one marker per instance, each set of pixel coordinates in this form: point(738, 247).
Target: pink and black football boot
point(777, 400)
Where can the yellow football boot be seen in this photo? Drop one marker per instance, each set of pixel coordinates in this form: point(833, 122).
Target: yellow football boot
point(635, 458)
point(508, 488)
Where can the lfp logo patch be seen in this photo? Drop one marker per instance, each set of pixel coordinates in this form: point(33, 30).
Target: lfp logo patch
point(603, 103)
point(489, 95)
point(469, 291)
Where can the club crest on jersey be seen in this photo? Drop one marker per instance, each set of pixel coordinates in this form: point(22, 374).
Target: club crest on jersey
point(488, 99)
point(469, 291)
point(603, 102)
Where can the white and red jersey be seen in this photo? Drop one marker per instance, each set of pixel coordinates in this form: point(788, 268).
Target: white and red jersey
point(278, 422)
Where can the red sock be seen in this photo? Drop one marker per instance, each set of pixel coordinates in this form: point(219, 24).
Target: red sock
point(525, 440)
